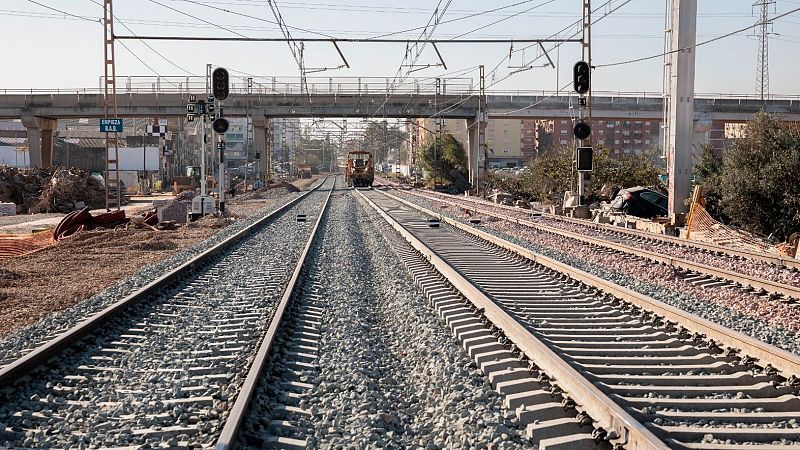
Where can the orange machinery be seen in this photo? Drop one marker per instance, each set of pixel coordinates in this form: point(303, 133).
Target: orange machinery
point(360, 169)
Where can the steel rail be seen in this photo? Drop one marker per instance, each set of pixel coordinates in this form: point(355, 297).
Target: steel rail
point(788, 263)
point(227, 439)
point(758, 283)
point(621, 426)
point(786, 362)
point(40, 355)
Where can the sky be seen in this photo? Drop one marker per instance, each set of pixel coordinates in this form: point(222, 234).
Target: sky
point(55, 50)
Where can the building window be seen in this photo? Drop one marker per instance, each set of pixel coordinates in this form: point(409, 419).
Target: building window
point(563, 142)
point(610, 125)
point(647, 141)
point(616, 141)
point(563, 122)
point(647, 124)
point(563, 131)
point(601, 142)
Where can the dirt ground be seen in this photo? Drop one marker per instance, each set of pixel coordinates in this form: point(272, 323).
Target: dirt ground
point(61, 276)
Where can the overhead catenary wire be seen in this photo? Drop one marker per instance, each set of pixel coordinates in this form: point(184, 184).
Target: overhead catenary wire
point(718, 38)
point(98, 20)
point(145, 43)
point(198, 18)
point(217, 8)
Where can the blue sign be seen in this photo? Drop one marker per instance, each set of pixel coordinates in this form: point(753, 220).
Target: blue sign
point(111, 125)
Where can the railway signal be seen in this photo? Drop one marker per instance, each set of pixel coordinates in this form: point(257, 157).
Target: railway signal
point(583, 159)
point(219, 83)
point(220, 125)
point(582, 130)
point(581, 77)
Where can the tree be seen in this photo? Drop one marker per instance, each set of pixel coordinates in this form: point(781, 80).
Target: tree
point(385, 142)
point(759, 181)
point(553, 171)
point(708, 172)
point(443, 155)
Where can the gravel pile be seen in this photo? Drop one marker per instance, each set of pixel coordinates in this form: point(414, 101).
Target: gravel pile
point(167, 372)
point(177, 209)
point(752, 267)
point(768, 320)
point(390, 373)
point(18, 343)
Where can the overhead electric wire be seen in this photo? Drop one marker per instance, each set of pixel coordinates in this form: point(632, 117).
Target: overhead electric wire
point(65, 13)
point(99, 21)
point(503, 19)
point(456, 19)
point(435, 18)
point(145, 43)
point(196, 18)
point(494, 83)
point(727, 35)
point(216, 8)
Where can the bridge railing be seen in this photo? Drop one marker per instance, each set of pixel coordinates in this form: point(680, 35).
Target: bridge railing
point(348, 86)
point(293, 86)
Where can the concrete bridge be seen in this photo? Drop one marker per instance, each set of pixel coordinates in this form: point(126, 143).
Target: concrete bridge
point(40, 112)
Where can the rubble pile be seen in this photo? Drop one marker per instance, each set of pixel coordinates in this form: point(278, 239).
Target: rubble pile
point(176, 210)
point(40, 190)
point(22, 186)
point(68, 190)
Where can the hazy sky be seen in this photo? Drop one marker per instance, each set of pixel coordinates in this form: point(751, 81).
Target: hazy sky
point(51, 50)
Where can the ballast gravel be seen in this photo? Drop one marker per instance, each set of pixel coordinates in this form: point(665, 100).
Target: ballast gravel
point(759, 317)
point(22, 341)
point(391, 376)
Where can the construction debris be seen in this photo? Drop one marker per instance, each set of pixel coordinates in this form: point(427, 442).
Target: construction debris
point(40, 190)
point(83, 220)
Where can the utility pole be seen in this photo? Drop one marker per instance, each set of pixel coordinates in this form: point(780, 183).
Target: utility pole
point(680, 120)
point(439, 126)
point(762, 66)
point(110, 110)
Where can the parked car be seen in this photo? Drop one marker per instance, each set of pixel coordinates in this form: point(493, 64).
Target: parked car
point(641, 202)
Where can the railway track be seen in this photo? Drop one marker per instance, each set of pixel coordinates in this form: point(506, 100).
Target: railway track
point(636, 236)
point(702, 274)
point(173, 365)
point(637, 372)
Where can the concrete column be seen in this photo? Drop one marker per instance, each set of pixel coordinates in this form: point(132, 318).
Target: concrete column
point(475, 154)
point(681, 136)
point(40, 139)
point(262, 128)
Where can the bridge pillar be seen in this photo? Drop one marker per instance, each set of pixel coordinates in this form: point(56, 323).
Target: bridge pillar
point(40, 139)
point(262, 130)
point(475, 153)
